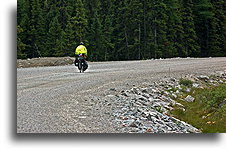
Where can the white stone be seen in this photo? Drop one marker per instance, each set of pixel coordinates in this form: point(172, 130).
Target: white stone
point(189, 99)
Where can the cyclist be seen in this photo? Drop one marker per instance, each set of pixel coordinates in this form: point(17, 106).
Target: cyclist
point(81, 49)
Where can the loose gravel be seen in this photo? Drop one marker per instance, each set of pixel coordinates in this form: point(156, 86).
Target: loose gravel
point(59, 99)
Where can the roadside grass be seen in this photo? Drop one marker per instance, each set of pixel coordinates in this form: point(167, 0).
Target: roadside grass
point(207, 112)
point(185, 82)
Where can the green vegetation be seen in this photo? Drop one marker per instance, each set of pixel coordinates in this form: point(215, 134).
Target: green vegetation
point(121, 29)
point(185, 82)
point(159, 109)
point(207, 112)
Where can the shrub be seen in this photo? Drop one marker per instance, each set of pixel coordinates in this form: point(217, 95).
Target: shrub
point(185, 82)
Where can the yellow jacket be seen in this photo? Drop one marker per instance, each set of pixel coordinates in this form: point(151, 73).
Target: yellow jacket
point(81, 49)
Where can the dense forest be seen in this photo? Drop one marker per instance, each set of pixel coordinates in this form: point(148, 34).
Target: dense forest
point(121, 29)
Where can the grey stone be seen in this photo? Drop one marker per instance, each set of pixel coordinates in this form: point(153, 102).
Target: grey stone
point(134, 89)
point(174, 95)
point(189, 99)
point(146, 95)
point(203, 77)
point(154, 90)
point(166, 92)
point(142, 110)
point(133, 124)
point(187, 90)
point(112, 89)
point(177, 92)
point(173, 79)
point(142, 98)
point(178, 87)
point(222, 103)
point(195, 85)
point(125, 94)
point(150, 99)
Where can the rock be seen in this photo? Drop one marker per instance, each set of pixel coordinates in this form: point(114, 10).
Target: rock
point(144, 90)
point(189, 99)
point(187, 90)
point(195, 85)
point(145, 95)
point(149, 130)
point(179, 104)
point(135, 90)
point(166, 92)
point(110, 96)
point(154, 90)
point(177, 92)
point(112, 89)
point(178, 87)
point(142, 98)
point(173, 79)
point(146, 109)
point(174, 95)
point(222, 103)
point(203, 77)
point(125, 94)
point(133, 124)
point(151, 99)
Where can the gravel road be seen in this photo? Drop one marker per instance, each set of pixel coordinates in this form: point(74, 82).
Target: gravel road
point(59, 99)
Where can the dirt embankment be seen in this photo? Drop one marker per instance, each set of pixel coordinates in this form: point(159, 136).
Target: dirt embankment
point(46, 61)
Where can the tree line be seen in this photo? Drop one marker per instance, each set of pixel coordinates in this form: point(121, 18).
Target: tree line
point(121, 29)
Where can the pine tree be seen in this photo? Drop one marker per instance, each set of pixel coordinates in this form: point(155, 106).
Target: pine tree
point(20, 45)
point(121, 29)
point(107, 17)
point(69, 38)
point(23, 22)
point(95, 33)
point(217, 29)
point(203, 17)
point(191, 47)
point(158, 20)
point(136, 28)
point(55, 38)
point(174, 28)
point(80, 21)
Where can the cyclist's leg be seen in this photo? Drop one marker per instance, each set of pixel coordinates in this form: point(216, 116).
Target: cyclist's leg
point(85, 65)
point(76, 60)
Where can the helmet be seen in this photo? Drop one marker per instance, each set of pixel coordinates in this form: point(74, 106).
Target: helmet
point(81, 43)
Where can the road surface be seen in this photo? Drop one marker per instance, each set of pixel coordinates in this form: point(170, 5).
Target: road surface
point(61, 100)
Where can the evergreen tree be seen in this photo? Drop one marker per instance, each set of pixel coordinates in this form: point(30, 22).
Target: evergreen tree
point(174, 28)
point(203, 17)
point(37, 31)
point(20, 45)
point(191, 47)
point(217, 29)
point(107, 17)
point(80, 21)
point(55, 38)
point(121, 29)
point(95, 33)
point(23, 30)
point(158, 19)
point(136, 28)
point(69, 38)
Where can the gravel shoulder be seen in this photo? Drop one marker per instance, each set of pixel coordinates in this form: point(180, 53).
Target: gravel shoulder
point(59, 99)
point(46, 61)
